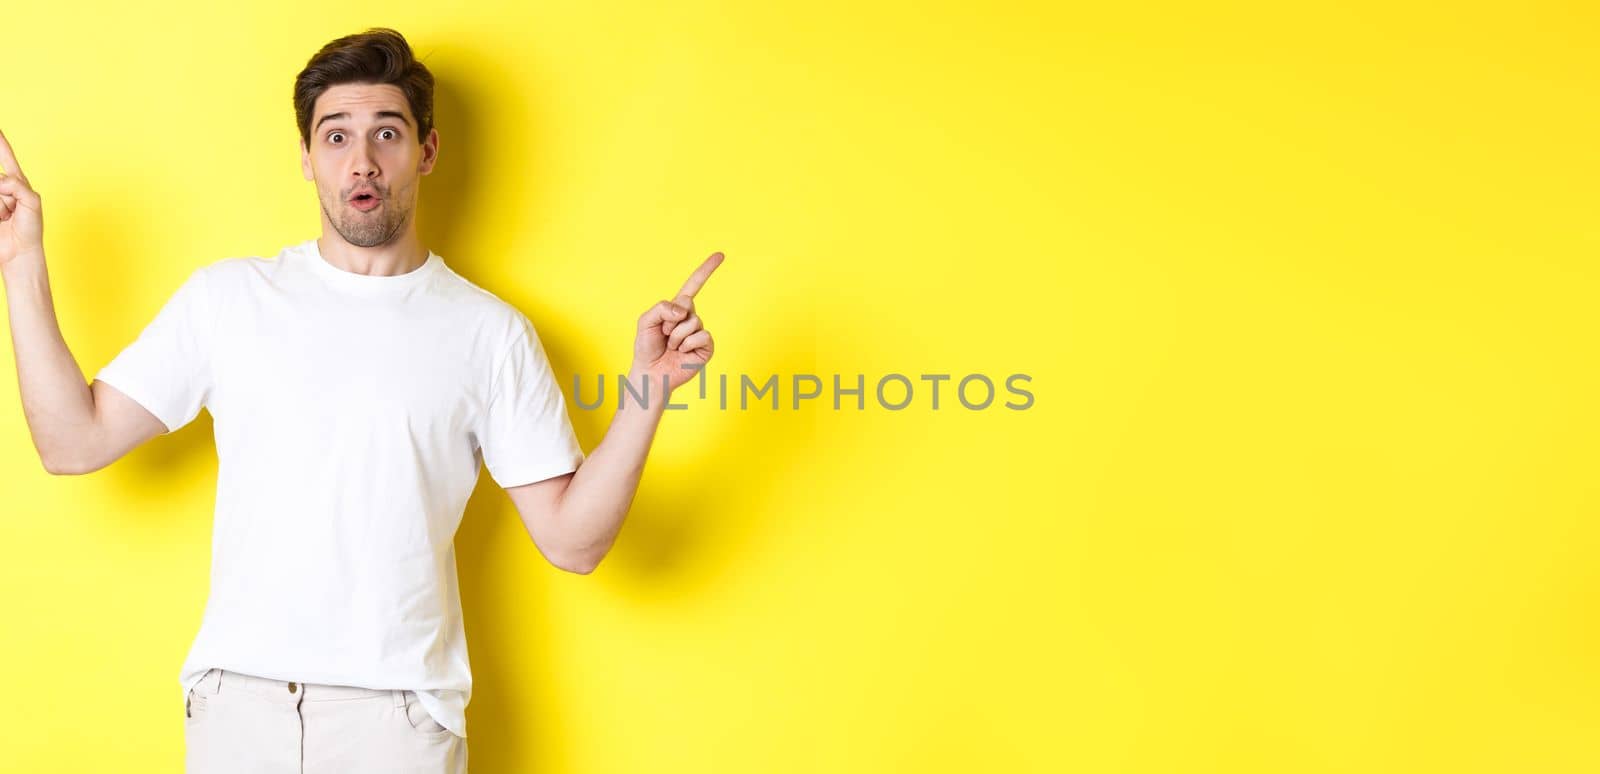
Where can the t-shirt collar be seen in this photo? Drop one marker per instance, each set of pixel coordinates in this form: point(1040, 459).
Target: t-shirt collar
point(368, 283)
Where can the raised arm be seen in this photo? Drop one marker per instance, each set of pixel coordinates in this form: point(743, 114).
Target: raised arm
point(76, 427)
point(575, 518)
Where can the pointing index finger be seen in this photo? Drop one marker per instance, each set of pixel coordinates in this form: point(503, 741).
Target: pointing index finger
point(699, 277)
point(8, 161)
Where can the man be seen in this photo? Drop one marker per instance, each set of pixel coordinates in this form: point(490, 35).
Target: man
point(357, 384)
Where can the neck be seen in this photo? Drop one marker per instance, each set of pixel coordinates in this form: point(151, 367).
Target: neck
point(401, 256)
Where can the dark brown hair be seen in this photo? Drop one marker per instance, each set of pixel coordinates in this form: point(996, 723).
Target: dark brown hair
point(379, 55)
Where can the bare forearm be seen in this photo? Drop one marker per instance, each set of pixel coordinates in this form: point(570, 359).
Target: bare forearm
point(671, 342)
point(597, 500)
point(55, 397)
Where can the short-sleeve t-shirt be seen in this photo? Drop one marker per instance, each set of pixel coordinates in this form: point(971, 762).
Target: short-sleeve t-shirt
point(352, 415)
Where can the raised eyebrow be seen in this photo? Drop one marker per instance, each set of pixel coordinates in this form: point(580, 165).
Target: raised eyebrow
point(378, 114)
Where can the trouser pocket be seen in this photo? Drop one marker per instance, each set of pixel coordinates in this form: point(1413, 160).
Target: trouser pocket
point(199, 699)
point(421, 720)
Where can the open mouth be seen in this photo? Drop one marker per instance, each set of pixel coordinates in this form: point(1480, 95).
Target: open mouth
point(365, 202)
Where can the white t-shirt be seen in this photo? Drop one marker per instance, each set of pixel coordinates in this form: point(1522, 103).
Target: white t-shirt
point(352, 416)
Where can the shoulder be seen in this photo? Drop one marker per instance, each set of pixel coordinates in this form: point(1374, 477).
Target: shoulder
point(232, 272)
point(497, 318)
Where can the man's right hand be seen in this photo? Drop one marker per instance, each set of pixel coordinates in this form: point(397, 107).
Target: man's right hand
point(21, 215)
point(77, 427)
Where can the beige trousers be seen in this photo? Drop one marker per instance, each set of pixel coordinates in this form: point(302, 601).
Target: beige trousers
point(242, 724)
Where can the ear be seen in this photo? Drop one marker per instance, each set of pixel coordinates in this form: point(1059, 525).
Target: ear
point(305, 161)
point(430, 152)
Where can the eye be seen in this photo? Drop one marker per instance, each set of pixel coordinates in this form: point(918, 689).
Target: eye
point(332, 135)
point(390, 131)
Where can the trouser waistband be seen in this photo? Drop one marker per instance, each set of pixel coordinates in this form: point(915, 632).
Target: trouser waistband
point(217, 680)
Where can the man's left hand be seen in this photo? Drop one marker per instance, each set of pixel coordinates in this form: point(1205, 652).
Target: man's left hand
point(672, 340)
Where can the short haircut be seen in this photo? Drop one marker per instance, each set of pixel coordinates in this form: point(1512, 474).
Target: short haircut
point(379, 55)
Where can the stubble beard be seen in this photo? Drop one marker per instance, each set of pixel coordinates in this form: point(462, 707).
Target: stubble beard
point(367, 229)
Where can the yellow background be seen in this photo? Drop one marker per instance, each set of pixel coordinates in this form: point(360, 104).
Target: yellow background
point(1307, 297)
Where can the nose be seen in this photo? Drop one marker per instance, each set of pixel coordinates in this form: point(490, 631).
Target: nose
point(366, 162)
